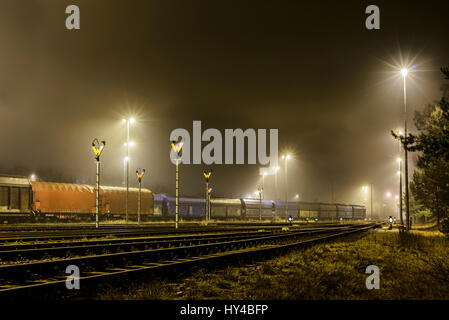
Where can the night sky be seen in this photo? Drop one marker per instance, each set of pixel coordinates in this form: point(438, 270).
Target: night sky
point(310, 69)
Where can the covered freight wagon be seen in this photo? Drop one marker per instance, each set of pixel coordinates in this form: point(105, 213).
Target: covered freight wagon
point(66, 199)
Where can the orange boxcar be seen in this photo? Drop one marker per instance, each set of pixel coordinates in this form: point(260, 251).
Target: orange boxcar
point(67, 198)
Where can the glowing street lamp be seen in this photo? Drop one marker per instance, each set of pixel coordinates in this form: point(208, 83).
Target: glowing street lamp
point(404, 72)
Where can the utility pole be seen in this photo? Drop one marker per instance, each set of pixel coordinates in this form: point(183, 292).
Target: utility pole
point(400, 187)
point(276, 183)
point(404, 73)
point(332, 191)
point(263, 185)
point(209, 192)
point(177, 149)
point(207, 174)
point(127, 171)
point(97, 147)
point(127, 144)
point(139, 174)
point(177, 195)
point(286, 157)
point(260, 191)
point(371, 189)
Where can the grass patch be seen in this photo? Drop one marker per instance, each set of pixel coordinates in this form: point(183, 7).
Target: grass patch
point(412, 265)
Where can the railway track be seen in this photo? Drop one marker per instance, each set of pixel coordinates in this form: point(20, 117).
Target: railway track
point(156, 255)
point(91, 233)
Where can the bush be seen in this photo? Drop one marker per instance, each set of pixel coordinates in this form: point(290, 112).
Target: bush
point(445, 227)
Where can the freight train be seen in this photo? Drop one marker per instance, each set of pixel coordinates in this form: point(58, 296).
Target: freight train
point(22, 198)
point(253, 209)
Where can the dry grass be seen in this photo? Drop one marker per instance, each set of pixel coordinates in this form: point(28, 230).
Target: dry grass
point(412, 266)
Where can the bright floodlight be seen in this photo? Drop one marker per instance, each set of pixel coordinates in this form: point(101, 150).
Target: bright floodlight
point(404, 72)
point(398, 160)
point(396, 197)
point(288, 156)
point(123, 120)
point(132, 120)
point(297, 196)
point(277, 168)
point(131, 143)
point(388, 194)
point(126, 159)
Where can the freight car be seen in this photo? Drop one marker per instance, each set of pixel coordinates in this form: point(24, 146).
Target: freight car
point(224, 208)
point(64, 200)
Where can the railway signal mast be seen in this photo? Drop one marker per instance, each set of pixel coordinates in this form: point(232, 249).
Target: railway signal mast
point(209, 192)
point(139, 174)
point(207, 174)
point(177, 149)
point(97, 147)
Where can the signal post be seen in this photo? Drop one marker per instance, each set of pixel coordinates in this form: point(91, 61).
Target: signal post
point(97, 147)
point(139, 174)
point(207, 174)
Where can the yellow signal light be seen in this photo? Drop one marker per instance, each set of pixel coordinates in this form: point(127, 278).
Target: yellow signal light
point(176, 148)
point(97, 151)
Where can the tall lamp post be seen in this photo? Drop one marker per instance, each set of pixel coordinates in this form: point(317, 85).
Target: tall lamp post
point(139, 174)
point(286, 157)
point(263, 185)
point(260, 191)
point(371, 189)
point(365, 192)
point(404, 73)
point(276, 183)
point(128, 122)
point(97, 147)
point(399, 160)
